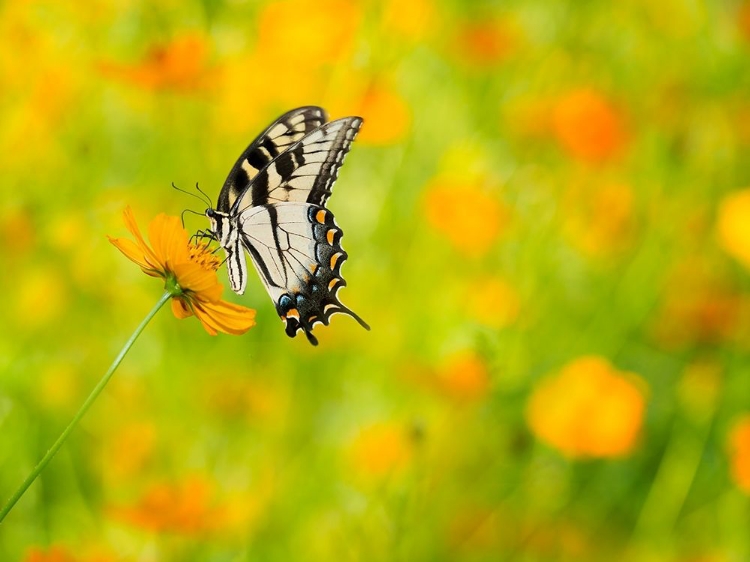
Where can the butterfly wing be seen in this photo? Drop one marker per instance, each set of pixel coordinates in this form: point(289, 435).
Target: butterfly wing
point(306, 171)
point(286, 131)
point(296, 248)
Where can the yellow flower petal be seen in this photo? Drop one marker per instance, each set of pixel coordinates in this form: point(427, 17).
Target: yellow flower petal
point(224, 317)
point(132, 226)
point(198, 281)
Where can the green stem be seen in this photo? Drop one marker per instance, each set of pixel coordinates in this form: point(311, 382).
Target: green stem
point(86, 405)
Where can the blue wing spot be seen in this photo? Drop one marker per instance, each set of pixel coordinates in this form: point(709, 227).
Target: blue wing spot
point(300, 300)
point(285, 302)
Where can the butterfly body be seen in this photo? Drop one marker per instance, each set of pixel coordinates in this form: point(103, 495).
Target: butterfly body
point(272, 206)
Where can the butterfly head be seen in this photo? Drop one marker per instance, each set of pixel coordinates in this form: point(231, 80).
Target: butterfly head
point(220, 226)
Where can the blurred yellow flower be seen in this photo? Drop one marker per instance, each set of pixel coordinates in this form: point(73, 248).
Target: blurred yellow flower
point(588, 126)
point(381, 450)
point(466, 215)
point(192, 267)
point(733, 225)
point(493, 302)
point(588, 409)
point(413, 20)
point(738, 447)
point(599, 218)
point(306, 34)
point(42, 298)
point(180, 65)
point(127, 450)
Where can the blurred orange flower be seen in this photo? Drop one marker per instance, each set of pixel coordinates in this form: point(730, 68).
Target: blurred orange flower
point(381, 450)
point(739, 452)
point(466, 215)
point(186, 507)
point(588, 409)
point(53, 554)
point(386, 114)
point(484, 42)
point(599, 218)
point(191, 267)
point(464, 378)
point(699, 306)
point(178, 65)
point(588, 126)
point(733, 225)
point(61, 554)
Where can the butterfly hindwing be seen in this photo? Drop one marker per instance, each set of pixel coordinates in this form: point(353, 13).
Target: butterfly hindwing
point(296, 248)
point(286, 131)
point(306, 171)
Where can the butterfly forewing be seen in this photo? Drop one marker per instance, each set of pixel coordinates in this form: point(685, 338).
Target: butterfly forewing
point(307, 170)
point(286, 131)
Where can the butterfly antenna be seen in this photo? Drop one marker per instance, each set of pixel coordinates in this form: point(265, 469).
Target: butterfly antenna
point(208, 199)
point(190, 193)
point(182, 215)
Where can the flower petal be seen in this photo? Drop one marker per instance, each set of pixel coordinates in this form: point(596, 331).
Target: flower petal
point(224, 317)
point(132, 226)
point(180, 309)
point(169, 239)
point(192, 277)
point(134, 253)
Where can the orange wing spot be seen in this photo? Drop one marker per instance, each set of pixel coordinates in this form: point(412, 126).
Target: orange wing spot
point(293, 312)
point(329, 307)
point(312, 319)
point(333, 283)
point(320, 216)
point(330, 234)
point(334, 259)
point(313, 268)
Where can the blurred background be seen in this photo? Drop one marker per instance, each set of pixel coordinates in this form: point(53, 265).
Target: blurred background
point(548, 220)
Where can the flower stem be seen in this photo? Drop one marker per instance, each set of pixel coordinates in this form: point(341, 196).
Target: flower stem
point(86, 405)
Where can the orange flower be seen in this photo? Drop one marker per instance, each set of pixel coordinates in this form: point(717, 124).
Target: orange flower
point(54, 554)
point(186, 507)
point(189, 272)
point(386, 113)
point(485, 42)
point(589, 409)
point(733, 225)
point(739, 452)
point(464, 378)
point(178, 65)
point(469, 217)
point(588, 126)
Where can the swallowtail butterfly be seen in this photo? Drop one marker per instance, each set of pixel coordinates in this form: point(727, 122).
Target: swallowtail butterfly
point(273, 205)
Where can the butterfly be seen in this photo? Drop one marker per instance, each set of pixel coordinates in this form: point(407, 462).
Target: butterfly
point(273, 206)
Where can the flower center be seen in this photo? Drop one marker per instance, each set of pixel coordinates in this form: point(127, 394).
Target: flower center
point(202, 255)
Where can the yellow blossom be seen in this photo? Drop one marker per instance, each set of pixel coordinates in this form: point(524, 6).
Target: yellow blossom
point(191, 267)
point(588, 409)
point(733, 225)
